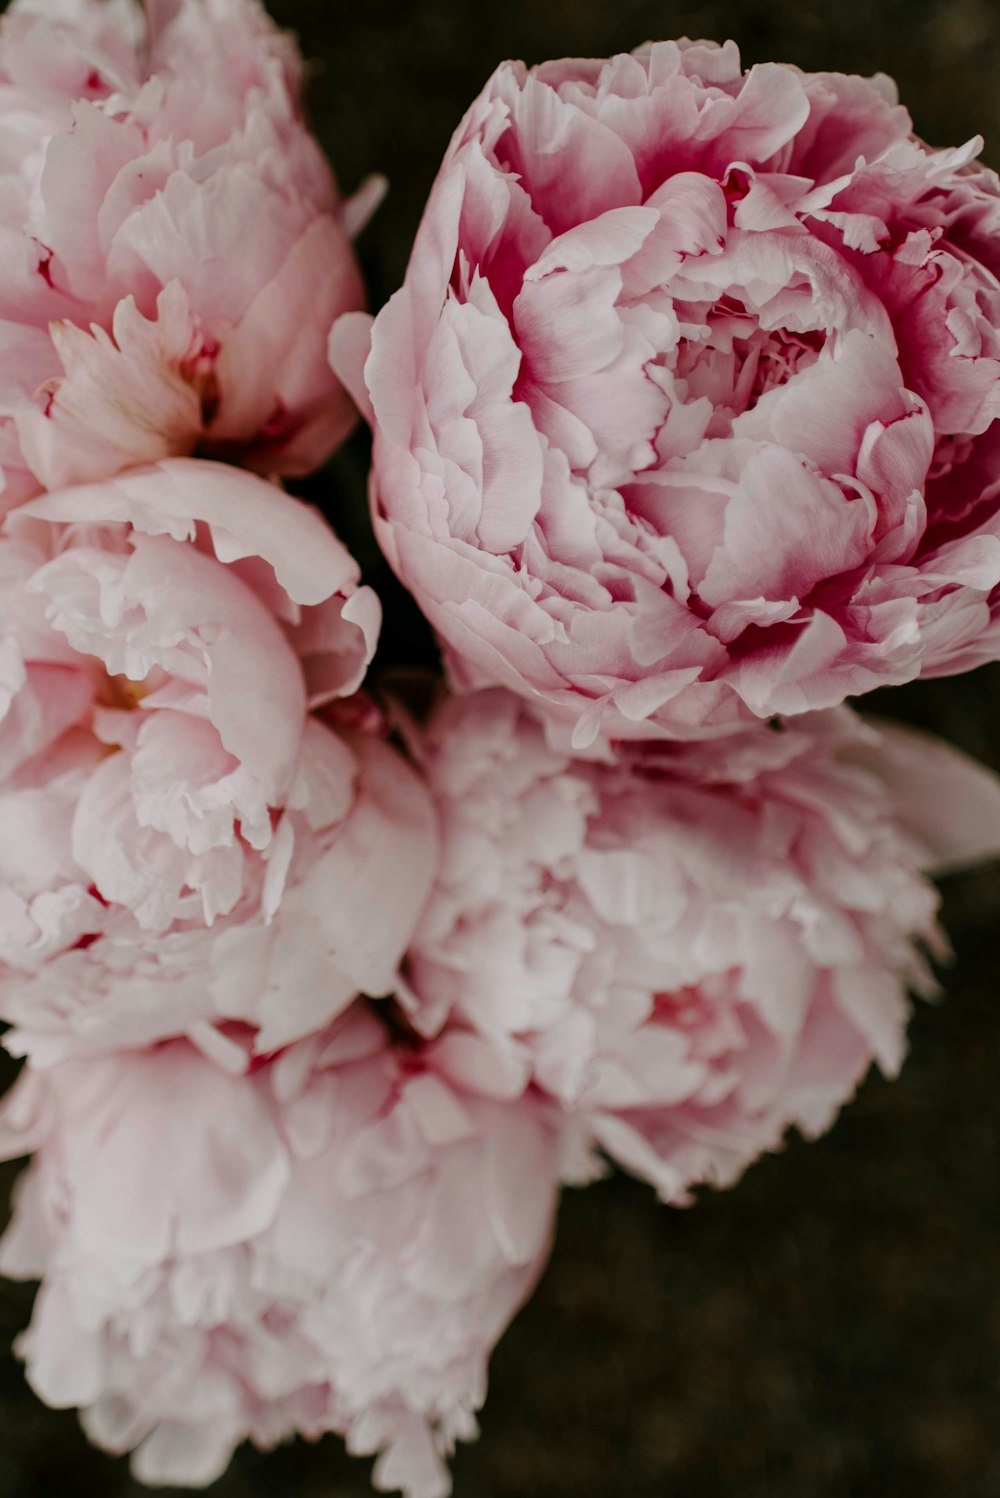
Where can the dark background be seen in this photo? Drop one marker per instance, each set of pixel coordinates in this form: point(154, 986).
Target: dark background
point(830, 1329)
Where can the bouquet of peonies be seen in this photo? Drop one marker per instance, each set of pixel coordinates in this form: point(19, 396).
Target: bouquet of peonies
point(685, 430)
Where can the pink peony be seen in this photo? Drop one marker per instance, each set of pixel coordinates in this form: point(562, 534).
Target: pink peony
point(689, 957)
point(174, 252)
point(686, 411)
point(164, 793)
point(332, 1244)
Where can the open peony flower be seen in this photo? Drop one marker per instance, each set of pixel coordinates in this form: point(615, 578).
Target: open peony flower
point(334, 1243)
point(689, 956)
point(174, 251)
point(686, 411)
point(163, 790)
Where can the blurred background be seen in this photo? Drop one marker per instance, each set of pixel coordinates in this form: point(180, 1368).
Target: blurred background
point(831, 1328)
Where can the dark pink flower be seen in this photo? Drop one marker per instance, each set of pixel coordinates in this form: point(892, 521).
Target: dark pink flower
point(686, 411)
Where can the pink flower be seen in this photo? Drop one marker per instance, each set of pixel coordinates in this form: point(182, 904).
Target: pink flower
point(174, 251)
point(686, 411)
point(163, 790)
point(334, 1243)
point(689, 957)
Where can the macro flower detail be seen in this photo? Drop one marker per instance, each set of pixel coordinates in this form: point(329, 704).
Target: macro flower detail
point(356, 1238)
point(328, 962)
point(686, 411)
point(175, 251)
point(688, 956)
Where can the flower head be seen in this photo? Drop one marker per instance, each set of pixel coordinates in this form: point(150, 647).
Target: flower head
point(186, 843)
point(334, 1243)
point(686, 411)
point(174, 248)
point(689, 951)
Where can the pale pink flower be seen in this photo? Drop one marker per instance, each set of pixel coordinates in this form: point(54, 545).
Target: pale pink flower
point(686, 411)
point(163, 789)
point(174, 249)
point(334, 1243)
point(688, 956)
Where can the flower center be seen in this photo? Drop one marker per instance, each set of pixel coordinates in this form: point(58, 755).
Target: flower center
point(125, 694)
point(736, 361)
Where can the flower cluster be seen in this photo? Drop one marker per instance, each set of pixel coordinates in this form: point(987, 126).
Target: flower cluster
point(685, 430)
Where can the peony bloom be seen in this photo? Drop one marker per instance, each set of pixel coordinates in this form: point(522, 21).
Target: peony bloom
point(686, 411)
point(689, 956)
point(174, 251)
point(164, 793)
point(334, 1243)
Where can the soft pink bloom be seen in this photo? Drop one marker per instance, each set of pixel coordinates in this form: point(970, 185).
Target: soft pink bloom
point(164, 793)
point(174, 251)
point(686, 411)
point(334, 1243)
point(689, 956)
